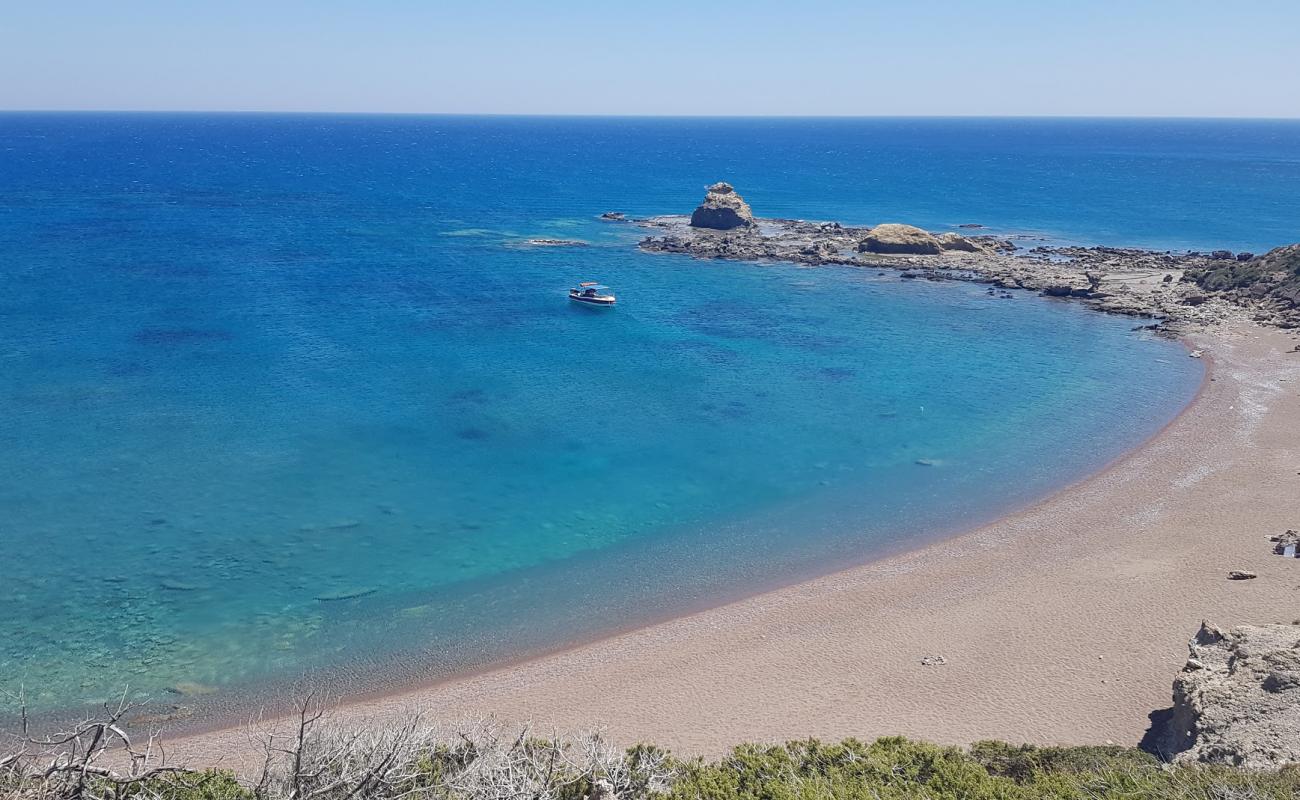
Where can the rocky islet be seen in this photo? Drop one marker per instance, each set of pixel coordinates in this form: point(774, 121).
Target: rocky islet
point(1178, 288)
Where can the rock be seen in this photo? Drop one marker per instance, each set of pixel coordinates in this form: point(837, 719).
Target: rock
point(933, 661)
point(1199, 292)
point(192, 689)
point(346, 594)
point(614, 216)
point(1237, 701)
point(602, 789)
point(1244, 256)
point(893, 237)
point(1241, 575)
point(995, 245)
point(556, 243)
point(1067, 290)
point(1222, 255)
point(722, 210)
point(955, 241)
point(970, 225)
point(1196, 354)
point(169, 713)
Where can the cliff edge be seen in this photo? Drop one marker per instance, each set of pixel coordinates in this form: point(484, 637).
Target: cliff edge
point(1237, 700)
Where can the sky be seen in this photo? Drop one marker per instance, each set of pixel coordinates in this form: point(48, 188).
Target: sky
point(1229, 58)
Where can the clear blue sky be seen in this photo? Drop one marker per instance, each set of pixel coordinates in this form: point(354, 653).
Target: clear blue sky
point(840, 57)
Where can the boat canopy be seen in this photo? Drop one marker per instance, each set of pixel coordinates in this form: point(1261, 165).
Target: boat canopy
point(592, 285)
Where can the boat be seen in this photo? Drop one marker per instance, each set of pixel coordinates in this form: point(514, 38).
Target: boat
point(591, 293)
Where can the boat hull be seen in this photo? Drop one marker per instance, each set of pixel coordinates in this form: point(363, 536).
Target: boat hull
point(597, 302)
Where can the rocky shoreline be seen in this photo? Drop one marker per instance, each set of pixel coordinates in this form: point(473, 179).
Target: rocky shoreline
point(1180, 290)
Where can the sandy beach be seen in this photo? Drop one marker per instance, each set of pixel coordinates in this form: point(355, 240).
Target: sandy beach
point(1063, 623)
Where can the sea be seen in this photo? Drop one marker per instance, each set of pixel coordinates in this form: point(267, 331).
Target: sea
point(290, 398)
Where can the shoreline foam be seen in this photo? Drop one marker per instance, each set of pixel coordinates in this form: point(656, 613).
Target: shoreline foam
point(1065, 621)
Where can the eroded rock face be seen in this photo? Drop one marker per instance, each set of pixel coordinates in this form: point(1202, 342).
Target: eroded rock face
point(893, 237)
point(722, 210)
point(955, 241)
point(1237, 701)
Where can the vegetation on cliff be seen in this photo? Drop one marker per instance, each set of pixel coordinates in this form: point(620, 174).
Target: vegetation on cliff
point(1275, 275)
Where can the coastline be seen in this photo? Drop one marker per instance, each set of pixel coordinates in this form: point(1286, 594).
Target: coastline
point(1083, 601)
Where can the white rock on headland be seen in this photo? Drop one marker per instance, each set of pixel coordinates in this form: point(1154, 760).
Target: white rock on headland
point(893, 237)
point(1237, 701)
point(722, 209)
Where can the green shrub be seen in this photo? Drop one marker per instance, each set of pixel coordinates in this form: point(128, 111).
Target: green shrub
point(899, 769)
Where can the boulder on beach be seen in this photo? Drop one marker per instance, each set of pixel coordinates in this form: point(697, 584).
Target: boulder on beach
point(893, 237)
point(1237, 700)
point(722, 210)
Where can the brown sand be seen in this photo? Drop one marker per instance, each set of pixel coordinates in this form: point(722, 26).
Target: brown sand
point(1064, 623)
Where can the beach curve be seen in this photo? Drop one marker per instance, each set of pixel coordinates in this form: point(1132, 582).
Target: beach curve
point(1063, 622)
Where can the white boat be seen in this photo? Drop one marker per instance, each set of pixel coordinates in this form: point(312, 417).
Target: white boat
point(591, 293)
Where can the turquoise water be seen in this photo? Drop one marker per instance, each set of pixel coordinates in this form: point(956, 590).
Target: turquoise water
point(287, 395)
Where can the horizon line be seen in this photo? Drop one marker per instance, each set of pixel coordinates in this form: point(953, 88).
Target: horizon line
point(567, 115)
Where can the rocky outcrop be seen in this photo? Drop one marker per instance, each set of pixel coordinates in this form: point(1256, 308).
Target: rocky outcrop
point(1282, 264)
point(1271, 280)
point(1168, 286)
point(1237, 700)
point(955, 241)
point(722, 210)
point(556, 243)
point(893, 237)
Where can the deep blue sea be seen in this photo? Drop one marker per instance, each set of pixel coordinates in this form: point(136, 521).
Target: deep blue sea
point(287, 395)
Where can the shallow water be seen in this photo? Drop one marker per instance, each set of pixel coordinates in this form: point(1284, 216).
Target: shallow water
point(288, 395)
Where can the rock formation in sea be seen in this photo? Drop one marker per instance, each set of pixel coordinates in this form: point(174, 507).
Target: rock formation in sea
point(893, 237)
point(722, 210)
point(555, 243)
point(1237, 700)
point(1180, 289)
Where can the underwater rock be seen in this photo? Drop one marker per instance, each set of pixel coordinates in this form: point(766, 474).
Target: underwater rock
point(346, 594)
point(556, 243)
point(191, 689)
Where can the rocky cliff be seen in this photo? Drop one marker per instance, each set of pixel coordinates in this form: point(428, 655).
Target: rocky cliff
point(722, 210)
point(1272, 279)
point(1237, 701)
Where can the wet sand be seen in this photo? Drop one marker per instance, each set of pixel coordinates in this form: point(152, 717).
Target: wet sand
point(1063, 623)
